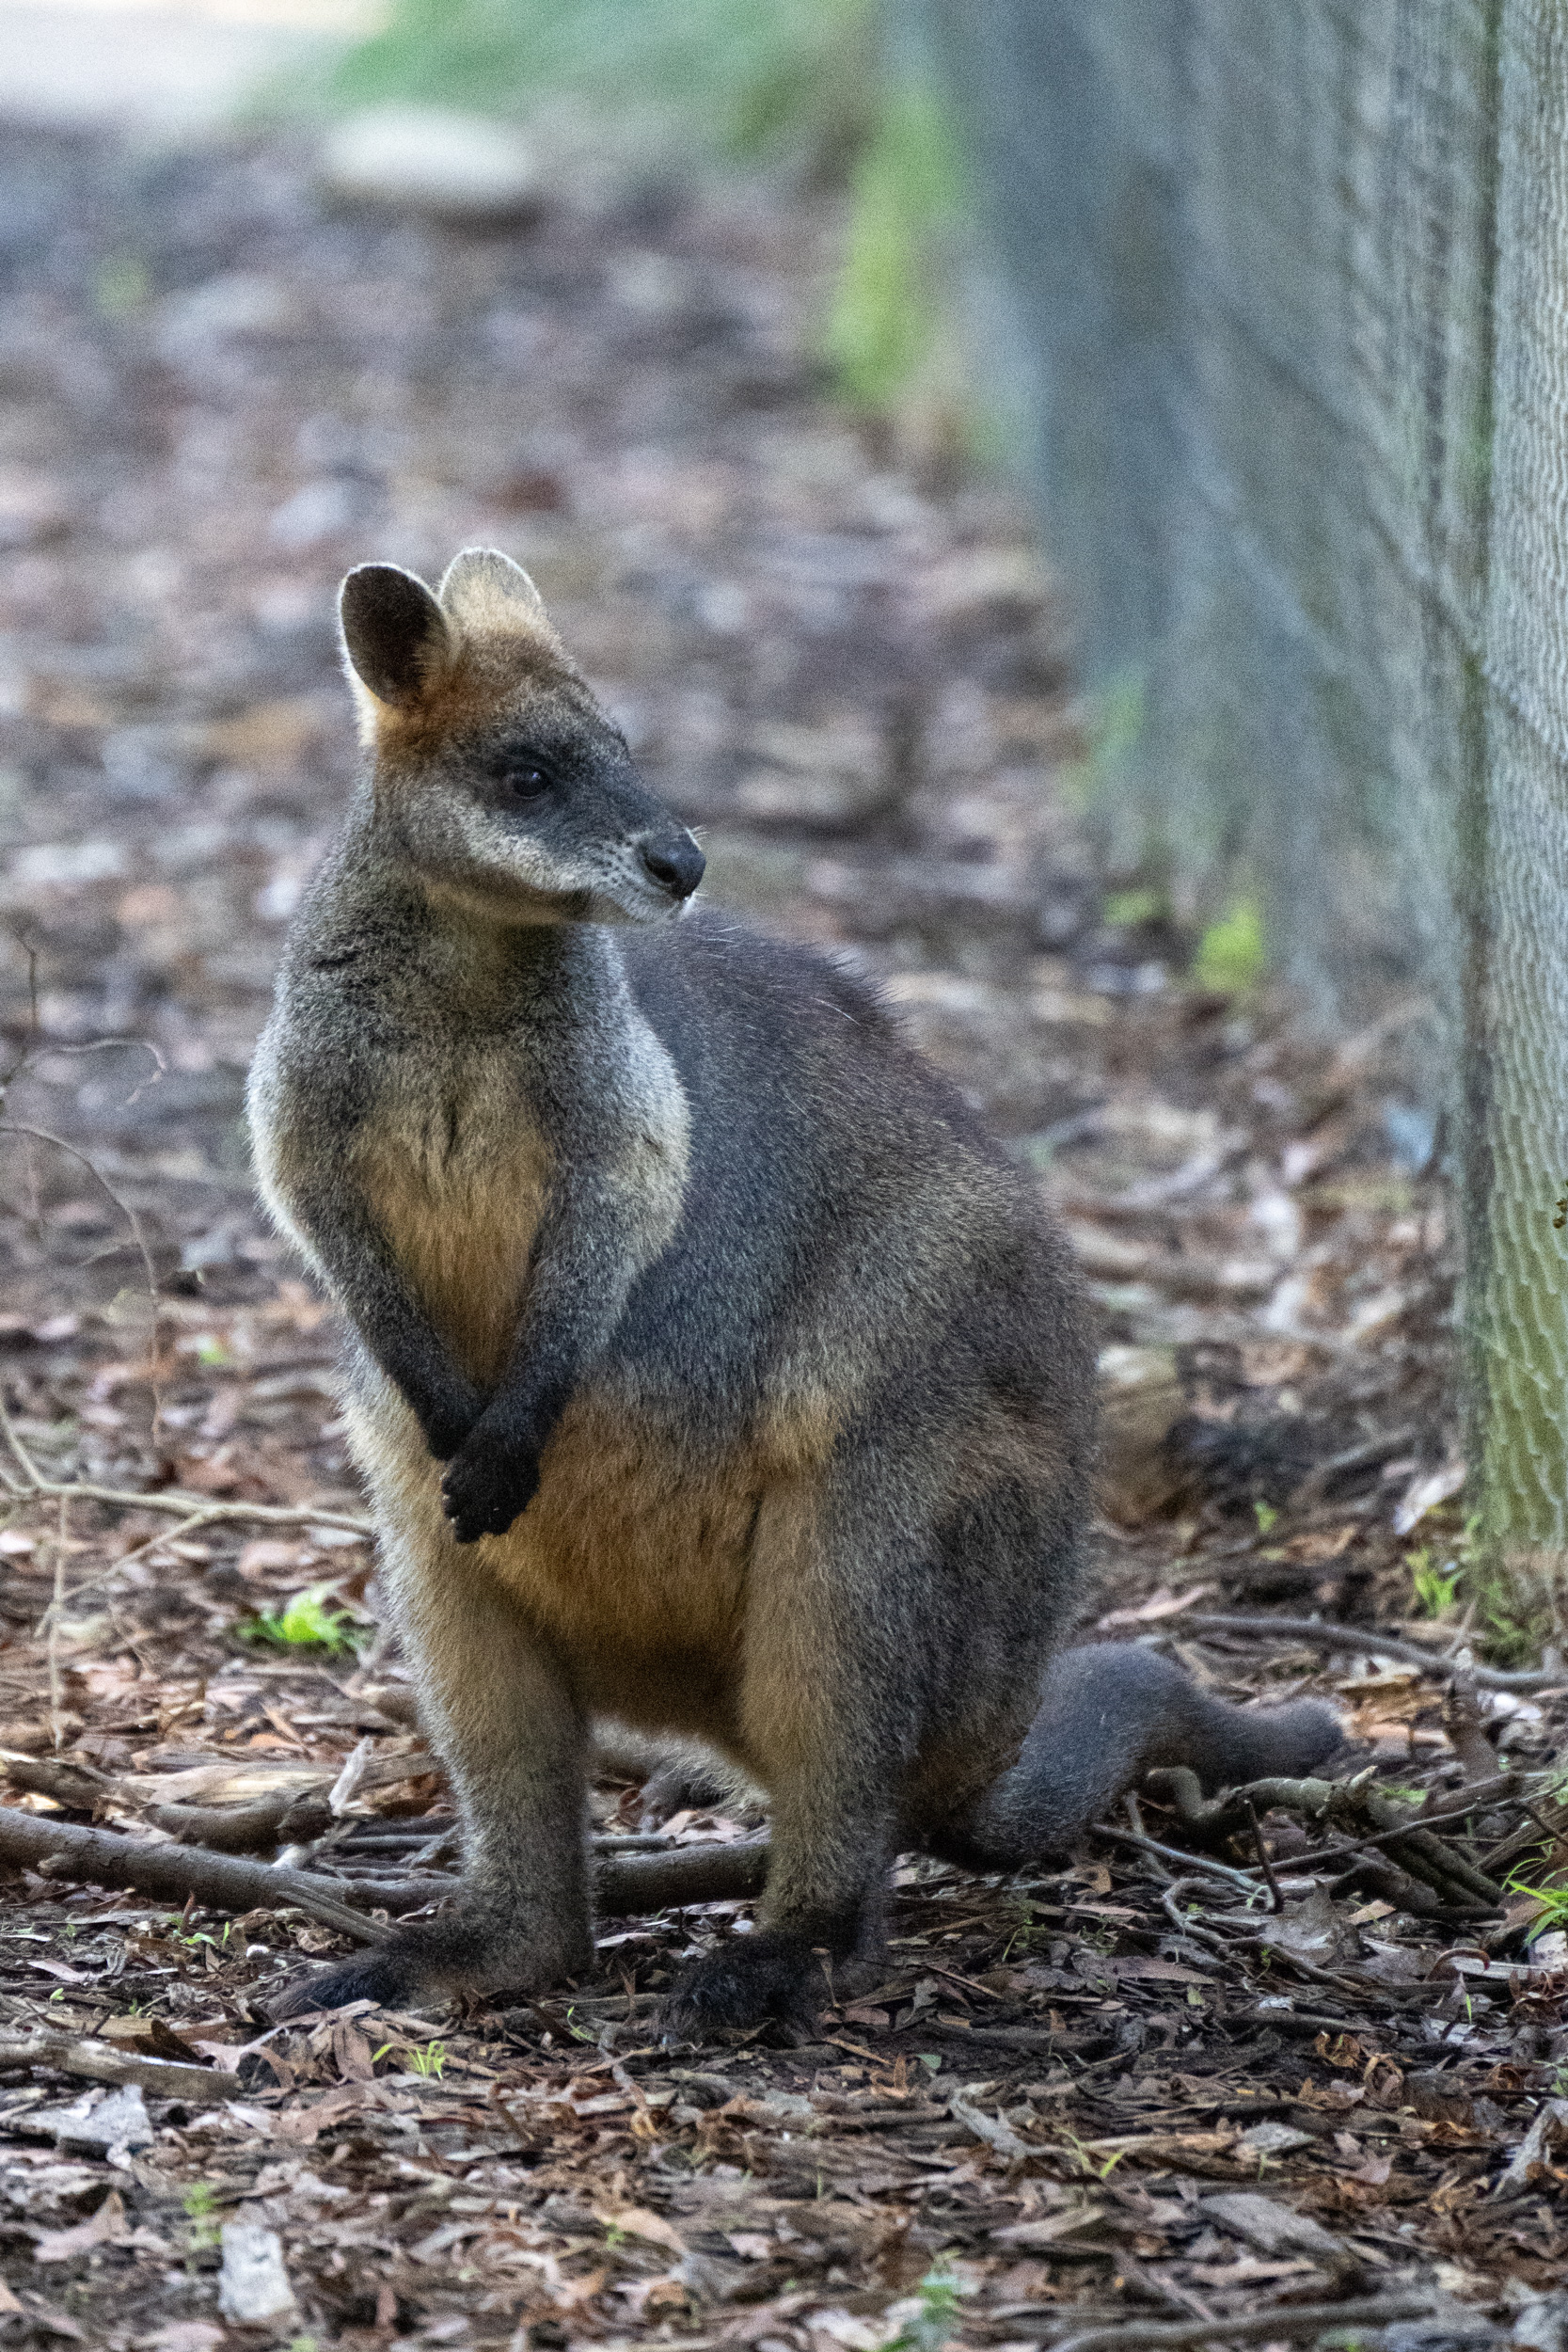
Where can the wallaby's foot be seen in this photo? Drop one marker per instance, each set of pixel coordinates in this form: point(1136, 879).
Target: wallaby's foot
point(772, 1973)
point(388, 1977)
point(459, 1954)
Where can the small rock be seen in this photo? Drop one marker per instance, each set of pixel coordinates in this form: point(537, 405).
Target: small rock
point(240, 302)
point(455, 168)
point(93, 2125)
point(1272, 2139)
point(64, 865)
point(186, 2335)
point(317, 511)
point(253, 2286)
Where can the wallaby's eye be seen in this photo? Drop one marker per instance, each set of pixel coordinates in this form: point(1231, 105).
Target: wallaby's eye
point(527, 784)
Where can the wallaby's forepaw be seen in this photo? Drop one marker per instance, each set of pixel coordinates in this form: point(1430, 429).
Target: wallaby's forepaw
point(484, 1490)
point(769, 1974)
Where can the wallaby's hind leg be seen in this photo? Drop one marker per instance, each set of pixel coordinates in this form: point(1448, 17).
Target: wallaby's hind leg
point(1108, 1713)
point(825, 1722)
point(515, 1745)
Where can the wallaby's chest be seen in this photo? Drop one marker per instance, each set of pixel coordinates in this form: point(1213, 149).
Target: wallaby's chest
point(455, 1169)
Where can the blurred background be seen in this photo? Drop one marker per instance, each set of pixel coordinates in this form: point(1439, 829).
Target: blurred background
point(1045, 490)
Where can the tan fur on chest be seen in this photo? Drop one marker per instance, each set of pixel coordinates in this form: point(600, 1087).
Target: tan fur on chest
point(634, 1561)
point(458, 1190)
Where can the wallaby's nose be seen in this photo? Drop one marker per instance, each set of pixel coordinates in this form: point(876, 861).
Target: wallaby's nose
point(674, 862)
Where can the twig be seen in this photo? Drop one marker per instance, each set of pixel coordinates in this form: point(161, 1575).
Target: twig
point(67, 2054)
point(173, 1499)
point(184, 1873)
point(1279, 2321)
point(57, 1610)
point(30, 1469)
point(1321, 1475)
point(1411, 1837)
point(292, 1817)
point(1189, 1862)
point(83, 1159)
point(1277, 1900)
point(1369, 1646)
point(1189, 1929)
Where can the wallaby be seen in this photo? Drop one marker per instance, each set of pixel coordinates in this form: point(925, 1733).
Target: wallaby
point(764, 1389)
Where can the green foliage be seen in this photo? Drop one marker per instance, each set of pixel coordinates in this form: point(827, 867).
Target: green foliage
point(742, 80)
point(1433, 1586)
point(200, 2201)
point(307, 1622)
point(1509, 1628)
point(929, 2329)
point(795, 81)
point(428, 2059)
point(1264, 1513)
point(1554, 1907)
point(1230, 956)
point(1125, 910)
point(906, 188)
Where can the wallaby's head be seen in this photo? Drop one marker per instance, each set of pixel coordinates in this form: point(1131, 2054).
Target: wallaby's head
point(497, 776)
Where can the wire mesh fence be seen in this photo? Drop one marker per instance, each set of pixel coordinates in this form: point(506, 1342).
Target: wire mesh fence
point(1291, 285)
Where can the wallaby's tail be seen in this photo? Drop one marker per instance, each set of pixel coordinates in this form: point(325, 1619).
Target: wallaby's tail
point(1109, 1713)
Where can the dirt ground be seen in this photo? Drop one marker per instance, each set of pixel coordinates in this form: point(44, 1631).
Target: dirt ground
point(1212, 2082)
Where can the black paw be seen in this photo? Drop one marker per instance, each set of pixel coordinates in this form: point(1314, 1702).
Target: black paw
point(769, 1974)
point(390, 1978)
point(486, 1489)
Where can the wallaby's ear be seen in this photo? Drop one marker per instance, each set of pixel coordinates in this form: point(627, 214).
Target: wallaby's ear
point(484, 589)
point(398, 639)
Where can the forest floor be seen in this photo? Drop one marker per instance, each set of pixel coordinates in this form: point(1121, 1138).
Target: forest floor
point(1226, 2083)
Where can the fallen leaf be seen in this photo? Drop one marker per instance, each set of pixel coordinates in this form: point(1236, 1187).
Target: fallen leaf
point(636, 2221)
point(1273, 2229)
point(107, 2227)
point(1425, 1493)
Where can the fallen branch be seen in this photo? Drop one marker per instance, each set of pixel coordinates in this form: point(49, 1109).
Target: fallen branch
point(1228, 1811)
point(182, 1874)
point(290, 1817)
point(70, 2055)
point(1367, 1645)
point(1411, 1841)
point(624, 1888)
point(1279, 2322)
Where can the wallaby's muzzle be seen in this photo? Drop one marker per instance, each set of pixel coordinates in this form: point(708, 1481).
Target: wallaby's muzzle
point(674, 861)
